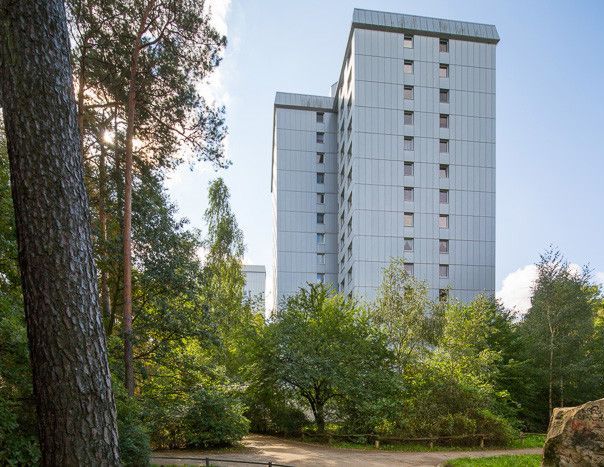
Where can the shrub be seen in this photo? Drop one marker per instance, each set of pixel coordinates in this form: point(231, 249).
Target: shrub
point(205, 417)
point(214, 419)
point(133, 437)
point(17, 447)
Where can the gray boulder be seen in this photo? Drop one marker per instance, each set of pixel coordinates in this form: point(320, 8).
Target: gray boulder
point(575, 436)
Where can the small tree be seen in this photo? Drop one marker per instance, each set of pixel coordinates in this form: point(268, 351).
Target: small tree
point(323, 349)
point(558, 328)
point(405, 313)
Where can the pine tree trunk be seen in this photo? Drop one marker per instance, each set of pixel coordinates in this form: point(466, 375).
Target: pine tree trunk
point(105, 298)
point(72, 384)
point(128, 167)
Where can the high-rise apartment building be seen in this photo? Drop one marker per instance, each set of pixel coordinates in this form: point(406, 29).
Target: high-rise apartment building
point(398, 162)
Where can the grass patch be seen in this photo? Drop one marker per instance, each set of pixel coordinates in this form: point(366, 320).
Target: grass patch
point(403, 447)
point(530, 460)
point(529, 441)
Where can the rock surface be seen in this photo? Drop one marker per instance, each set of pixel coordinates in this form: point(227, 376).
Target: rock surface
point(575, 436)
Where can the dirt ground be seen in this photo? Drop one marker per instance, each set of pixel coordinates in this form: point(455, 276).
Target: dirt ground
point(261, 448)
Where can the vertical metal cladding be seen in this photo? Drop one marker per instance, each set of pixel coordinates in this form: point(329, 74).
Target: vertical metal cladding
point(409, 141)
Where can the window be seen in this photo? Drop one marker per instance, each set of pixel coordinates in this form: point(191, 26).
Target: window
point(444, 96)
point(349, 228)
point(443, 146)
point(320, 177)
point(443, 271)
point(443, 171)
point(320, 157)
point(320, 198)
point(320, 218)
point(408, 194)
point(443, 71)
point(320, 239)
point(408, 93)
point(443, 45)
point(444, 121)
point(408, 42)
point(320, 117)
point(443, 246)
point(444, 197)
point(408, 268)
point(349, 251)
point(408, 219)
point(320, 137)
point(350, 202)
point(408, 67)
point(320, 258)
point(408, 143)
point(443, 295)
point(408, 117)
point(408, 169)
point(321, 277)
point(349, 279)
point(408, 244)
point(443, 221)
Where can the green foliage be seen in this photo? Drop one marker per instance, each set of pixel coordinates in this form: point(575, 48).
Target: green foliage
point(18, 440)
point(207, 417)
point(133, 437)
point(214, 419)
point(558, 334)
point(322, 349)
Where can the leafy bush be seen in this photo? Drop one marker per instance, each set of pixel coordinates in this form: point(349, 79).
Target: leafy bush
point(207, 417)
point(133, 437)
point(17, 446)
point(214, 419)
point(270, 412)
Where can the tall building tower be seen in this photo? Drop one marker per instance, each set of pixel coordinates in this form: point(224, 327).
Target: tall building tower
point(398, 162)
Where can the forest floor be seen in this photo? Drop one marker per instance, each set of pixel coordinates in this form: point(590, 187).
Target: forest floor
point(261, 448)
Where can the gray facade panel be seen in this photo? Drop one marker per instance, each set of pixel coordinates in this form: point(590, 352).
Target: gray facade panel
point(373, 131)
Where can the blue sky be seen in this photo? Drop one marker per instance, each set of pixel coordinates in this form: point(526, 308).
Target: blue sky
point(550, 116)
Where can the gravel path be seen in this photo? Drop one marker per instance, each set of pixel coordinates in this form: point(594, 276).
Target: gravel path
point(264, 448)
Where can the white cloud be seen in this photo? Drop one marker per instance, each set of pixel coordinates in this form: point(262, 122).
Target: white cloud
point(213, 89)
point(516, 289)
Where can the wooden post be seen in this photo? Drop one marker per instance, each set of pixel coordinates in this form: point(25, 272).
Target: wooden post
point(482, 442)
point(207, 462)
point(431, 444)
point(377, 443)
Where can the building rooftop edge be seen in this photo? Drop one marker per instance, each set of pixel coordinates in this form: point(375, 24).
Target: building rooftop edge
point(254, 268)
point(423, 24)
point(290, 100)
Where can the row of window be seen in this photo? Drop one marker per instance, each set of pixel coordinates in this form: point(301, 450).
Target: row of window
point(409, 119)
point(443, 245)
point(409, 220)
point(409, 65)
point(443, 44)
point(409, 195)
point(443, 270)
point(409, 170)
point(409, 94)
point(409, 144)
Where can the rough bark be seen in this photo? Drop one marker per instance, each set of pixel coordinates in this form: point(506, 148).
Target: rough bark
point(128, 167)
point(72, 384)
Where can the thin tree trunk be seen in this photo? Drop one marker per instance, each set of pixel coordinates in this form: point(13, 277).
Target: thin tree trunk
point(128, 162)
point(105, 298)
point(551, 373)
point(81, 86)
point(71, 380)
